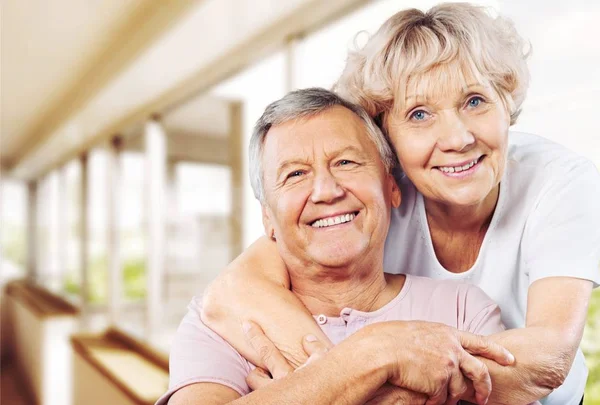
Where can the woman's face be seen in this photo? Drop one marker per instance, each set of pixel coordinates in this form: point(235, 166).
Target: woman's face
point(452, 141)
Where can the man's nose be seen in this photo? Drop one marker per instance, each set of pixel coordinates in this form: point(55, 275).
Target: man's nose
point(326, 188)
point(455, 135)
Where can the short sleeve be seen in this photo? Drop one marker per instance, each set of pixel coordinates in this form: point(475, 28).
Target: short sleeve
point(200, 355)
point(562, 233)
point(481, 315)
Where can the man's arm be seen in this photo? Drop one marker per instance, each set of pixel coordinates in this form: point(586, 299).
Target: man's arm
point(326, 381)
point(204, 394)
point(353, 371)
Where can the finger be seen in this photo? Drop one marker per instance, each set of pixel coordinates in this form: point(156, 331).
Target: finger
point(258, 378)
point(476, 371)
point(270, 356)
point(313, 346)
point(389, 394)
point(457, 387)
point(438, 399)
point(484, 347)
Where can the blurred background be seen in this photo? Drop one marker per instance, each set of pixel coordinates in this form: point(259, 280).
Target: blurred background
point(124, 188)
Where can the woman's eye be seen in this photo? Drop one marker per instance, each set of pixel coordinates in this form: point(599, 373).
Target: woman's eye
point(295, 173)
point(475, 101)
point(345, 162)
point(418, 115)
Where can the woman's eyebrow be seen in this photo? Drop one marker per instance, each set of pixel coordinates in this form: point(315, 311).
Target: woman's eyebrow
point(414, 99)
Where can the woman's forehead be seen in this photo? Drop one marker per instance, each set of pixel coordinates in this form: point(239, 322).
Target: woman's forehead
point(439, 82)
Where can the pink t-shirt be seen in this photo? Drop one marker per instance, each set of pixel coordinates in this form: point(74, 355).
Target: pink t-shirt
point(200, 355)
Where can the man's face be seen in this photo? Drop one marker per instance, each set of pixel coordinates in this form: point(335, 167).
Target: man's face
point(328, 195)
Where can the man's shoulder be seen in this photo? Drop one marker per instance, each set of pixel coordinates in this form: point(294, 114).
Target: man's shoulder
point(456, 303)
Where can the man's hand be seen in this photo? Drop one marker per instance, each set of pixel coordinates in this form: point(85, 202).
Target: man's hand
point(424, 361)
point(431, 358)
point(389, 394)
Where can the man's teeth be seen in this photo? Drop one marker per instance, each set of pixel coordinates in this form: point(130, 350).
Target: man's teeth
point(340, 219)
point(457, 169)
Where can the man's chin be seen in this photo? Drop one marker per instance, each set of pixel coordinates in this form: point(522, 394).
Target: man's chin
point(336, 258)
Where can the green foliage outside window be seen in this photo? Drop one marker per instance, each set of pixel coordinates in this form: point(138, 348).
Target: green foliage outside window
point(134, 280)
point(591, 349)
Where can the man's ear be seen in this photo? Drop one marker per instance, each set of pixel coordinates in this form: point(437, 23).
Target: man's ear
point(395, 194)
point(267, 224)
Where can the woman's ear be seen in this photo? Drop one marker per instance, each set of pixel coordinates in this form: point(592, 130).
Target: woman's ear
point(395, 194)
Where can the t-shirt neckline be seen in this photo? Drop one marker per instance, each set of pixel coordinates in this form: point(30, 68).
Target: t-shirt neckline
point(441, 270)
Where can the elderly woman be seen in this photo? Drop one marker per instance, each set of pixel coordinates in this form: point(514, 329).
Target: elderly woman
point(511, 213)
point(322, 171)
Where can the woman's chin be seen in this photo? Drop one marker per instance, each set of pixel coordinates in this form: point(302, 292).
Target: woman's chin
point(465, 197)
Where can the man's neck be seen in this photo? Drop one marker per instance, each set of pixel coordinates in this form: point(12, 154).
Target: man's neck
point(341, 288)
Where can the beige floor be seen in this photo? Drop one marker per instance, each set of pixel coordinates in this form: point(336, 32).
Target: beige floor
point(12, 389)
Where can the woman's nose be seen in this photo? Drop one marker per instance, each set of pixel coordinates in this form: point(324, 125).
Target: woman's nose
point(326, 189)
point(455, 135)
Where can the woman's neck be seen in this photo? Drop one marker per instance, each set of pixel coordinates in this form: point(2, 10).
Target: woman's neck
point(335, 289)
point(469, 219)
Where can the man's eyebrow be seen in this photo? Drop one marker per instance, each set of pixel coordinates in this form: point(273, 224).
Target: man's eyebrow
point(285, 164)
point(282, 166)
point(349, 148)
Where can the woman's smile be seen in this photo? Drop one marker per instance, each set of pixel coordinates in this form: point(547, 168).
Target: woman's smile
point(461, 170)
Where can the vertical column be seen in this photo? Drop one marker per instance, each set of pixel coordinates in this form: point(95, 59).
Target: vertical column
point(113, 192)
point(84, 237)
point(32, 252)
point(172, 223)
point(236, 153)
point(290, 62)
point(62, 237)
point(156, 159)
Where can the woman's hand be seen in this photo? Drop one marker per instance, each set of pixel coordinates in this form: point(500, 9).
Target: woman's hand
point(276, 365)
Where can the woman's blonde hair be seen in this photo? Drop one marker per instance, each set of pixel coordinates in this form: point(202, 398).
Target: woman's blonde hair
point(438, 48)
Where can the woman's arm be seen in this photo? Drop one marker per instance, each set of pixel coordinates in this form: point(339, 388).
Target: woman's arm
point(255, 287)
point(545, 348)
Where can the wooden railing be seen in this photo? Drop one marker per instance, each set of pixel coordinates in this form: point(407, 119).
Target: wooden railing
point(114, 368)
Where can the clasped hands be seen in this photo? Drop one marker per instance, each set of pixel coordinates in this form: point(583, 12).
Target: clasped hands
point(420, 362)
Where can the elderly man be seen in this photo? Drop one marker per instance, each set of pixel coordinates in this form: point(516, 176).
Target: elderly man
point(322, 172)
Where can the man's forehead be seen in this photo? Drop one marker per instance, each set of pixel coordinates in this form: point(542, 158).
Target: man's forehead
point(332, 125)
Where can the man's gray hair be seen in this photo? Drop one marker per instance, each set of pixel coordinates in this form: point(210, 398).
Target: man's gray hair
point(307, 103)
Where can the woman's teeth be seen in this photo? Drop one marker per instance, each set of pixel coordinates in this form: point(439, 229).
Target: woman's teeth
point(340, 219)
point(458, 169)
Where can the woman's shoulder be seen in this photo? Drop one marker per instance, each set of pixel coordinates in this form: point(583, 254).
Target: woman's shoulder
point(536, 164)
point(539, 154)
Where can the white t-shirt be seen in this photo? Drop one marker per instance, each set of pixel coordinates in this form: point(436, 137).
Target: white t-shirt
point(546, 223)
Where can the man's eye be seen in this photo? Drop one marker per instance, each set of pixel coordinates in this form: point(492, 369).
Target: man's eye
point(345, 162)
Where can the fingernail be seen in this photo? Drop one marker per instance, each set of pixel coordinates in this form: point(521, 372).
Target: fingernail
point(510, 357)
point(246, 326)
point(311, 338)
